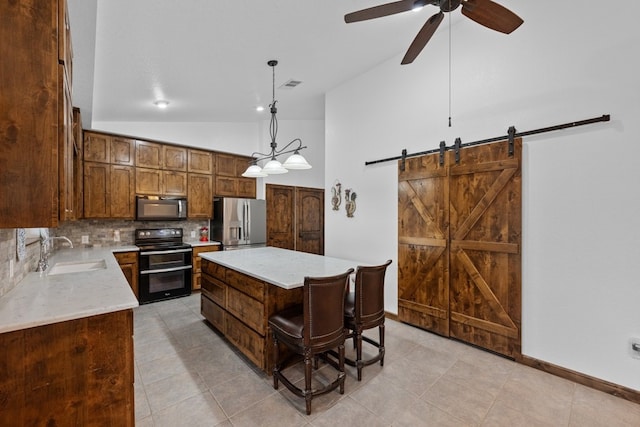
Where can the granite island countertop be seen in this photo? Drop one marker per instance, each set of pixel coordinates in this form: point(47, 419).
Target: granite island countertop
point(42, 299)
point(281, 267)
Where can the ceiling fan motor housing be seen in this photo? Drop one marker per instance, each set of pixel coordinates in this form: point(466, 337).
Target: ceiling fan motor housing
point(447, 5)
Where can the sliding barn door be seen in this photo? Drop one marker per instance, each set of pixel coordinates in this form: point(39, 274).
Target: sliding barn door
point(482, 275)
point(423, 252)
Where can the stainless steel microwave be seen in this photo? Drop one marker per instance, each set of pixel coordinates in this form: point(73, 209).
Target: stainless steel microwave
point(154, 208)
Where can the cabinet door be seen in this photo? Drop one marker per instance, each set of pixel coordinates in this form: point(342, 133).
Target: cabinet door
point(97, 147)
point(200, 161)
point(97, 185)
point(241, 165)
point(65, 151)
point(122, 151)
point(77, 162)
point(200, 198)
point(310, 220)
point(226, 186)
point(128, 262)
point(246, 187)
point(148, 182)
point(226, 164)
point(174, 183)
point(29, 114)
point(175, 158)
point(122, 199)
point(149, 155)
point(280, 216)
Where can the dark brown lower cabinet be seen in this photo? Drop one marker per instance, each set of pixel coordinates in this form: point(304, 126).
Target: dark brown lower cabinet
point(73, 373)
point(239, 306)
point(295, 218)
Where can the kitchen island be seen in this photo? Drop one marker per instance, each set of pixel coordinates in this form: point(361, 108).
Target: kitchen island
point(241, 289)
point(67, 343)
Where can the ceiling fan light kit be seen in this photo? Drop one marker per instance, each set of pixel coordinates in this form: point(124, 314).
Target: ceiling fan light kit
point(273, 167)
point(485, 12)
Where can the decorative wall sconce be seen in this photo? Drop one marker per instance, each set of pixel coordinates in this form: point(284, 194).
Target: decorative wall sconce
point(336, 195)
point(350, 202)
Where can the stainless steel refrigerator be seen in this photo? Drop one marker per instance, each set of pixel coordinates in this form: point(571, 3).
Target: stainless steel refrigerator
point(238, 223)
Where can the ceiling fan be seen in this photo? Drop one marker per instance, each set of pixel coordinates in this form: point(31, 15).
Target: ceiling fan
point(484, 12)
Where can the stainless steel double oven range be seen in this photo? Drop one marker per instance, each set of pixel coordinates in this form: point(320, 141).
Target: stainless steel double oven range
point(164, 264)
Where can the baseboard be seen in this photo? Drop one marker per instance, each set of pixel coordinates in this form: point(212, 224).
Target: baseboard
point(586, 380)
point(577, 377)
point(391, 316)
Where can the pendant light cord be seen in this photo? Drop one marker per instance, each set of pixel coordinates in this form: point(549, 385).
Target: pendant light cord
point(449, 64)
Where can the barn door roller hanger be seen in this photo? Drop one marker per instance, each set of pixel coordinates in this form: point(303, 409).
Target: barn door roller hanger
point(511, 136)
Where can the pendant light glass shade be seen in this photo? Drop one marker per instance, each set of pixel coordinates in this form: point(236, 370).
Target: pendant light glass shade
point(297, 162)
point(254, 171)
point(274, 167)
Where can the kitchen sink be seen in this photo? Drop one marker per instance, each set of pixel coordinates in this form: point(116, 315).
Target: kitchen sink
point(77, 266)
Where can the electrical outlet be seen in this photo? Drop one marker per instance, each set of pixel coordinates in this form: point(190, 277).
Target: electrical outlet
point(10, 268)
point(193, 234)
point(85, 239)
point(634, 348)
point(116, 235)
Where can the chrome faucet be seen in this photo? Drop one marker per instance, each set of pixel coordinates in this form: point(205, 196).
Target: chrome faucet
point(43, 263)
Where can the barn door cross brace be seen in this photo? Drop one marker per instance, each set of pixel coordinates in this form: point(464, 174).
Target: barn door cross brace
point(511, 136)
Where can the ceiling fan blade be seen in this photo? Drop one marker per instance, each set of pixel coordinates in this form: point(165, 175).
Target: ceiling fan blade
point(422, 38)
point(379, 11)
point(491, 15)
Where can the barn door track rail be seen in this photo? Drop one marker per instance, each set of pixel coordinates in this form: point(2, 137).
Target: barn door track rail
point(511, 135)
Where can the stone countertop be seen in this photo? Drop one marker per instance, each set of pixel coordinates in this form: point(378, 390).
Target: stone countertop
point(41, 299)
point(196, 243)
point(281, 267)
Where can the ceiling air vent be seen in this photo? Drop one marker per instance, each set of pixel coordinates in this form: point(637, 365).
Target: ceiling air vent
point(290, 84)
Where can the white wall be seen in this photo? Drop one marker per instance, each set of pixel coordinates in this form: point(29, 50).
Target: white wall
point(236, 138)
point(581, 203)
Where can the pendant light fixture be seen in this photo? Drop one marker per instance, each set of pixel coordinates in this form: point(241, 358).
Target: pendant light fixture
point(273, 166)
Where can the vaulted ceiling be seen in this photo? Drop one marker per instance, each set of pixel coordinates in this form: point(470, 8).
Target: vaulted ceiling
point(209, 58)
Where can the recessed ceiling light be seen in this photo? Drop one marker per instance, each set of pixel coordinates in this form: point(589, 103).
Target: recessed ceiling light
point(161, 103)
point(259, 108)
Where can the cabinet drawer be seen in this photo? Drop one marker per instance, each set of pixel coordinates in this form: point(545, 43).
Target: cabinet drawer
point(126, 257)
point(214, 289)
point(215, 270)
point(247, 341)
point(248, 285)
point(213, 313)
point(246, 308)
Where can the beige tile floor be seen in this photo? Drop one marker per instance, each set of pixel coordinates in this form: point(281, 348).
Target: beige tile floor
point(187, 375)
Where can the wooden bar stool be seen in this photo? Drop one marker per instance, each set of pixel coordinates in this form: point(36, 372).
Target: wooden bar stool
point(364, 309)
point(311, 330)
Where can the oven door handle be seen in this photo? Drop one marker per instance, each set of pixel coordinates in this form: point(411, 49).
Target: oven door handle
point(166, 270)
point(171, 251)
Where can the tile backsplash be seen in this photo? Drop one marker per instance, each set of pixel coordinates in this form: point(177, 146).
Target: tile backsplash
point(8, 254)
point(102, 232)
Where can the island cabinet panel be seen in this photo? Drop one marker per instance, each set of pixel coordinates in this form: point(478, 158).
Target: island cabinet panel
point(239, 306)
point(78, 372)
point(213, 312)
point(246, 308)
point(215, 290)
point(249, 342)
point(196, 262)
point(246, 284)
